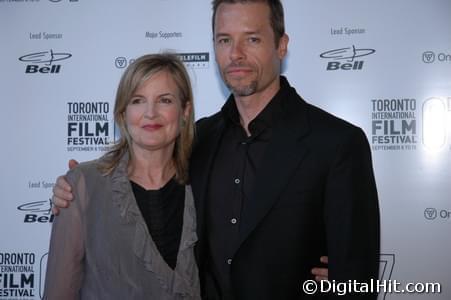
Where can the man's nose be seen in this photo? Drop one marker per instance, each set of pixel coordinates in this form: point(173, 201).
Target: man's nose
point(237, 51)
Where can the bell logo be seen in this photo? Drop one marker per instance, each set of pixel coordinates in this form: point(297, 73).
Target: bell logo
point(38, 211)
point(348, 55)
point(430, 213)
point(36, 69)
point(43, 62)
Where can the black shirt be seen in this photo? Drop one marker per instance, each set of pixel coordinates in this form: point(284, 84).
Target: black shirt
point(233, 175)
point(163, 212)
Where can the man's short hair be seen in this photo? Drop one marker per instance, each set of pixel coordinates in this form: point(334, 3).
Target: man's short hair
point(276, 15)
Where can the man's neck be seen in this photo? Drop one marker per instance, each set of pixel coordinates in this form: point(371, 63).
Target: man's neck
point(250, 106)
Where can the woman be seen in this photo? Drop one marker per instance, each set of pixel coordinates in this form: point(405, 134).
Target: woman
point(131, 231)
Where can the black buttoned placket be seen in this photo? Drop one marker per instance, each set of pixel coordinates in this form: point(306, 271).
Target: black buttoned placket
point(231, 183)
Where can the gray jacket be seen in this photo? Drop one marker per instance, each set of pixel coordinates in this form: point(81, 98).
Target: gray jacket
point(101, 248)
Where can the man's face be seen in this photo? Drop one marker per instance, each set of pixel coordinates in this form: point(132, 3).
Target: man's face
point(246, 54)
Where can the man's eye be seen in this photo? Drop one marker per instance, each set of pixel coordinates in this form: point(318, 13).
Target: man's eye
point(254, 40)
point(223, 41)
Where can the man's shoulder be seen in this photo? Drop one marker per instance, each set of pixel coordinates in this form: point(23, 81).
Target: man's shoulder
point(209, 124)
point(318, 118)
point(323, 120)
point(208, 121)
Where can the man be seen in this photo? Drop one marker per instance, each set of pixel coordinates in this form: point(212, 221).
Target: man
point(277, 181)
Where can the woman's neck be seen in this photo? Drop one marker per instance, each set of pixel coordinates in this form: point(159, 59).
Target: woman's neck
point(151, 169)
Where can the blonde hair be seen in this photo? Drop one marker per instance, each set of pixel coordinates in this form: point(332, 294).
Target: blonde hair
point(134, 76)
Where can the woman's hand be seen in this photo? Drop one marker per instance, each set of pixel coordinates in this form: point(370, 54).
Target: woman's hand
point(321, 273)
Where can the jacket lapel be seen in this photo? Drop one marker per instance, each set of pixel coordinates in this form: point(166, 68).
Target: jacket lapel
point(283, 156)
point(200, 168)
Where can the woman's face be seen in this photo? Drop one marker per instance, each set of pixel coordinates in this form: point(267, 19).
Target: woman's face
point(154, 114)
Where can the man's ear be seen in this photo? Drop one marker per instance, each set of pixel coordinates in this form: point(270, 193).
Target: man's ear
point(282, 49)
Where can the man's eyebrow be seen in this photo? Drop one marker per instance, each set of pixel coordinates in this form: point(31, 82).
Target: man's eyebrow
point(221, 34)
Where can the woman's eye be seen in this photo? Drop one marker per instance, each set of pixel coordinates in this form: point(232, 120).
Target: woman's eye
point(136, 101)
point(166, 100)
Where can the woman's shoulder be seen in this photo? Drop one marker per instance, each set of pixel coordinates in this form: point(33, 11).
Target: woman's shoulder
point(88, 170)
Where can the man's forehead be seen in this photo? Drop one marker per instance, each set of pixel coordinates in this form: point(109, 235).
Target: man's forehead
point(242, 6)
point(247, 12)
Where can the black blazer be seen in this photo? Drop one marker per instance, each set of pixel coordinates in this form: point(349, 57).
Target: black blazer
point(315, 195)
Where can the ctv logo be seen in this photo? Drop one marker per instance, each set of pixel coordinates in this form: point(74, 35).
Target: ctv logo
point(44, 62)
point(345, 58)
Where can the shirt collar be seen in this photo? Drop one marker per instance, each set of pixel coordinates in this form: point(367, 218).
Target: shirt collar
point(266, 118)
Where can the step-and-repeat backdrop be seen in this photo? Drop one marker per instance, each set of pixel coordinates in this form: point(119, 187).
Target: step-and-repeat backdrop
point(383, 65)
